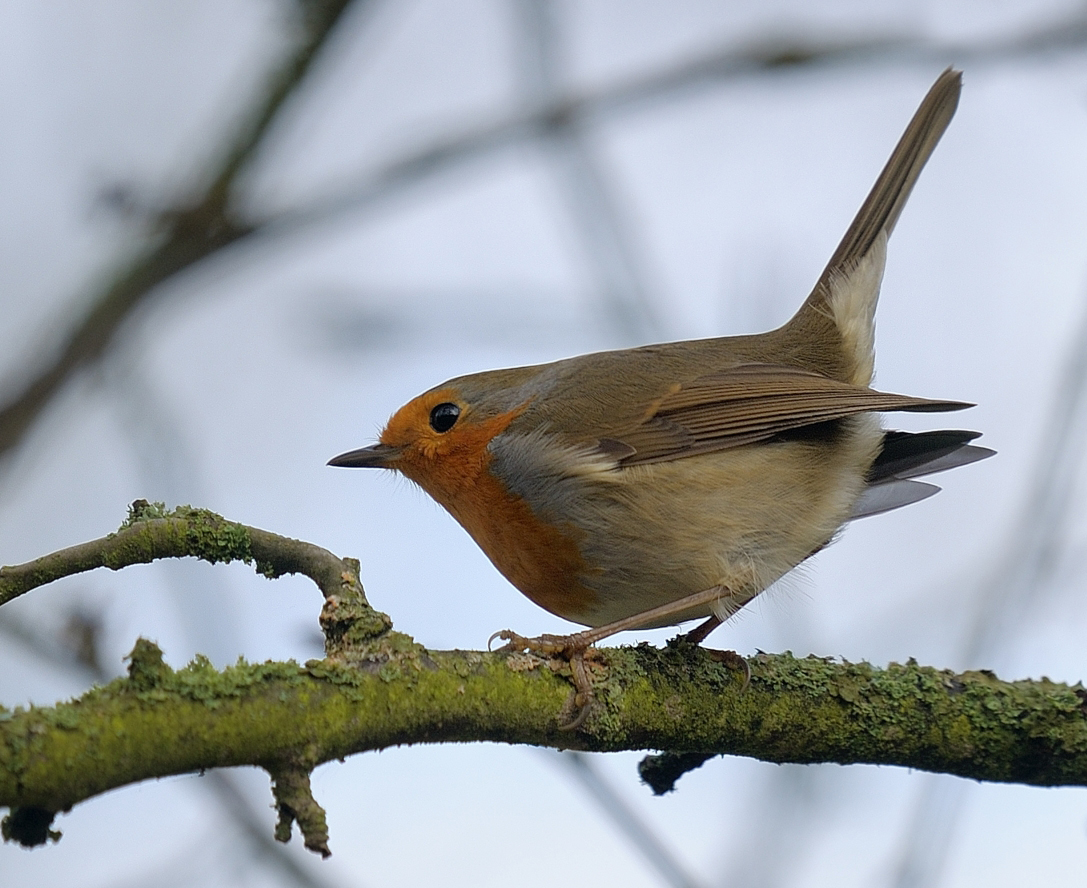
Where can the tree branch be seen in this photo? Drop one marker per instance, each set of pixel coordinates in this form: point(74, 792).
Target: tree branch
point(376, 688)
point(150, 533)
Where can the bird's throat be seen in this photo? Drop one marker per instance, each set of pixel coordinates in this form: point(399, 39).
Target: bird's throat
point(540, 559)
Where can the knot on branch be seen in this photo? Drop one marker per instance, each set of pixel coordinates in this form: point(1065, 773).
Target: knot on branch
point(29, 826)
point(350, 623)
point(296, 804)
point(142, 510)
point(206, 224)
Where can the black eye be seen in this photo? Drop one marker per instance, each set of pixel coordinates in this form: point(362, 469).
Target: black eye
point(444, 417)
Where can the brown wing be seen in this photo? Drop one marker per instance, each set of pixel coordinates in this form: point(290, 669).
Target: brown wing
point(747, 404)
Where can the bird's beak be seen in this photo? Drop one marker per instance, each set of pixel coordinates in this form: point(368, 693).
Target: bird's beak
point(376, 456)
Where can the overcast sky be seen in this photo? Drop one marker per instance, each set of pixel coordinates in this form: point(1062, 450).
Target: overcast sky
point(704, 209)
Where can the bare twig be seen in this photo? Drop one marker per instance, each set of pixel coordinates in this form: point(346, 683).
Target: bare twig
point(151, 533)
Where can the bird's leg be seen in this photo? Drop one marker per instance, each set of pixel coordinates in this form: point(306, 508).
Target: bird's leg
point(562, 644)
point(730, 658)
point(573, 647)
point(699, 633)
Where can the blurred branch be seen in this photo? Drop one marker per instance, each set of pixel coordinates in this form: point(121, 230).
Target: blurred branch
point(212, 222)
point(377, 687)
point(655, 852)
point(186, 236)
point(555, 112)
point(608, 246)
point(1010, 590)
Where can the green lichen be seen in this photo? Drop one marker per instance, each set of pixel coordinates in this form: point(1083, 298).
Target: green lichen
point(181, 531)
point(142, 510)
point(351, 625)
point(212, 538)
point(146, 667)
point(391, 690)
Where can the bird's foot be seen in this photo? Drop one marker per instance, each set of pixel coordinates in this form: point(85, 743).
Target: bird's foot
point(572, 649)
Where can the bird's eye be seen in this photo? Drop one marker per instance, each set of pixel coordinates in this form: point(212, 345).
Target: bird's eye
point(444, 417)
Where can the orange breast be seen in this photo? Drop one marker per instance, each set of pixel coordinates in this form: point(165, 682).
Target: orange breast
point(540, 559)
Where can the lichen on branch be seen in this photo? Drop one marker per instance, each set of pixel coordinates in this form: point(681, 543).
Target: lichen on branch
point(151, 532)
point(376, 687)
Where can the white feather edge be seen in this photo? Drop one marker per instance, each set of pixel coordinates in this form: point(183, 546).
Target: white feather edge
point(853, 297)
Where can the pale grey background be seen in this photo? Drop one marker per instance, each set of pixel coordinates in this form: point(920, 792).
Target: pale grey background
point(721, 202)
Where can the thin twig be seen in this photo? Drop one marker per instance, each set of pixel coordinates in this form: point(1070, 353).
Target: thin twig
point(151, 533)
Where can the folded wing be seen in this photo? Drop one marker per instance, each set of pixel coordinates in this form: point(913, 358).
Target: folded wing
point(747, 404)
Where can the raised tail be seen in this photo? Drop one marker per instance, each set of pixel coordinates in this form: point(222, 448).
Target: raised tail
point(845, 296)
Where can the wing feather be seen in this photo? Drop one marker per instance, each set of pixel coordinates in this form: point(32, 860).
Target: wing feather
point(746, 404)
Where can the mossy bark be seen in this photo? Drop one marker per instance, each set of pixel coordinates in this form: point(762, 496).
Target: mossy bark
point(376, 688)
point(158, 721)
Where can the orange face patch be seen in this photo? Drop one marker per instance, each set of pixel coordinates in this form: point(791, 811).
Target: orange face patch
point(541, 560)
point(442, 463)
point(411, 423)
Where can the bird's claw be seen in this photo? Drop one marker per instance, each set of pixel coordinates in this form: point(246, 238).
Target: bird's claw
point(570, 648)
point(545, 645)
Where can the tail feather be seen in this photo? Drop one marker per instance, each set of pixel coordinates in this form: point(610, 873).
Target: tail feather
point(912, 454)
point(880, 211)
point(845, 295)
point(907, 455)
point(889, 496)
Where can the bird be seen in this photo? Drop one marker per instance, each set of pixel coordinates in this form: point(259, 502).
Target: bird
point(650, 486)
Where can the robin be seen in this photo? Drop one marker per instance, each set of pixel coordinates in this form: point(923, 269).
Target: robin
point(654, 485)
